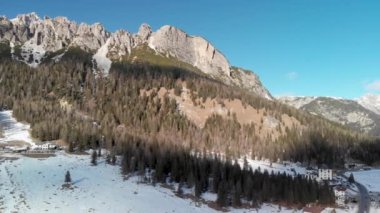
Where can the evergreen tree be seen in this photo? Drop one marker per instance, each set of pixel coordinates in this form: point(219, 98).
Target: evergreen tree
point(113, 159)
point(99, 152)
point(222, 195)
point(236, 199)
point(351, 179)
point(67, 177)
point(94, 157)
point(108, 159)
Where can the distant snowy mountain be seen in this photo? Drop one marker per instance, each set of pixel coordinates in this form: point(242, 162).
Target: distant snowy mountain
point(371, 102)
point(33, 40)
point(360, 115)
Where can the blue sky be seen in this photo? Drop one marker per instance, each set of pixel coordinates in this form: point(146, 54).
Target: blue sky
point(298, 47)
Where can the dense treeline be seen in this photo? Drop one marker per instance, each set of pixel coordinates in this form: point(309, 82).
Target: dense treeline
point(68, 101)
point(204, 173)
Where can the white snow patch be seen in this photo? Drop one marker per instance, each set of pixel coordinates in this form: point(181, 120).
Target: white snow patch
point(57, 58)
point(14, 130)
point(289, 168)
point(369, 178)
point(103, 63)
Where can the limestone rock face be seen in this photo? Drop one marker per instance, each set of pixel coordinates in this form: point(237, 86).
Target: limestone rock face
point(250, 81)
point(52, 34)
point(192, 50)
point(90, 37)
point(144, 32)
point(121, 44)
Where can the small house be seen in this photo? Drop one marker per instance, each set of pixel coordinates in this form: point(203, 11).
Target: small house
point(340, 194)
point(324, 173)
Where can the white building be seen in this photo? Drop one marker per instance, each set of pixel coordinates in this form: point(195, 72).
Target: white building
point(325, 174)
point(340, 195)
point(311, 175)
point(45, 146)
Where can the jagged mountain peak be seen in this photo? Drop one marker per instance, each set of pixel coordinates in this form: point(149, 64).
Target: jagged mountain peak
point(37, 38)
point(26, 19)
point(145, 31)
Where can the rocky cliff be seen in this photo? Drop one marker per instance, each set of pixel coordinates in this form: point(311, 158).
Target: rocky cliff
point(32, 39)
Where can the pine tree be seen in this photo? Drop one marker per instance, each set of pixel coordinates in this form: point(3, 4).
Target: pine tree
point(108, 159)
point(351, 179)
point(99, 152)
point(113, 159)
point(179, 189)
point(67, 177)
point(236, 199)
point(222, 195)
point(94, 157)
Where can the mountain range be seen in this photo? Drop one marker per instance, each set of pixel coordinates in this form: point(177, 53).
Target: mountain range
point(34, 40)
point(362, 114)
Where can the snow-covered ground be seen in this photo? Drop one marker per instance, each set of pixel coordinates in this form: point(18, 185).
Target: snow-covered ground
point(369, 178)
point(35, 185)
point(13, 130)
point(348, 209)
point(287, 167)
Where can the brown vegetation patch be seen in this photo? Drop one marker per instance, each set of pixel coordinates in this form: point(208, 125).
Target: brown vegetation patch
point(266, 123)
point(39, 155)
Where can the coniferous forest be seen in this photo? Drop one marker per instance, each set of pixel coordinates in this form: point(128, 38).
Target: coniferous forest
point(69, 101)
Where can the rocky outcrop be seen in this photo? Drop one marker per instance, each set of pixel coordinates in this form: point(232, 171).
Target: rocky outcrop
point(90, 37)
point(192, 50)
point(38, 37)
point(250, 81)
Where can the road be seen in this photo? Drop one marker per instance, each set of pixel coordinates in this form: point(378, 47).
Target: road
point(364, 202)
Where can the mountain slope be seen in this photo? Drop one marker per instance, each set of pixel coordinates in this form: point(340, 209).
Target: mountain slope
point(34, 40)
point(66, 97)
point(346, 112)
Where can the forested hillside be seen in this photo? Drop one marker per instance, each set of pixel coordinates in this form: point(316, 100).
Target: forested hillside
point(67, 100)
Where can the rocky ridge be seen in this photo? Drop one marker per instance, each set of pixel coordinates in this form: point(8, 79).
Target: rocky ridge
point(347, 112)
point(35, 38)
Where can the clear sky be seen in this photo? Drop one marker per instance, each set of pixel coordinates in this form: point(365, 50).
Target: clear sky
point(298, 47)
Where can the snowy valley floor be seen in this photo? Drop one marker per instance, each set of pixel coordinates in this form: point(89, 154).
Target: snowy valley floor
point(35, 185)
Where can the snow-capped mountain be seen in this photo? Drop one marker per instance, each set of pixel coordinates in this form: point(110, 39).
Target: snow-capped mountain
point(33, 39)
point(371, 102)
point(351, 113)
